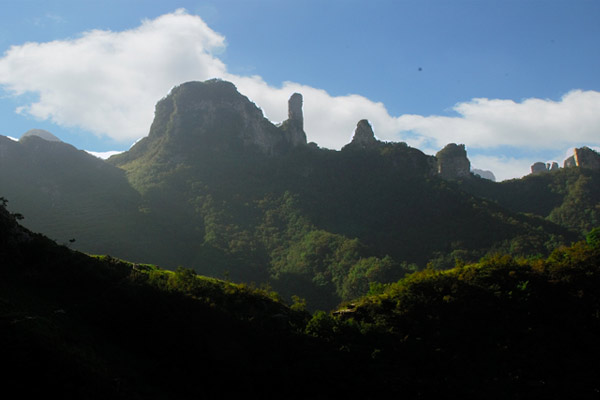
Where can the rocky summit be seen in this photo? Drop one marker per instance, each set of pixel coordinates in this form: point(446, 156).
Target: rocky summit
point(363, 135)
point(583, 157)
point(453, 162)
point(293, 127)
point(212, 117)
point(41, 133)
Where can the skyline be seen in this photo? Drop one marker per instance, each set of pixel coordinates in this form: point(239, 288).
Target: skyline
point(516, 82)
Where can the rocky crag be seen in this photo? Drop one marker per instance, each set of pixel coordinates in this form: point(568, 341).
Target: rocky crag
point(293, 127)
point(583, 157)
point(452, 162)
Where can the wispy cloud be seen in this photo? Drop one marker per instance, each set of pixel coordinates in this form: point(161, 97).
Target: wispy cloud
point(108, 82)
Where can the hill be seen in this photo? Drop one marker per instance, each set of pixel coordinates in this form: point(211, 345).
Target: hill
point(98, 327)
point(69, 194)
point(568, 196)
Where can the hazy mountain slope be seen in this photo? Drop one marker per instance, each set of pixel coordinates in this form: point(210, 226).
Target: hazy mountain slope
point(568, 196)
point(69, 194)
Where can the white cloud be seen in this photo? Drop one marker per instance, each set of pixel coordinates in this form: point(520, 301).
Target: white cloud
point(532, 123)
point(103, 154)
point(108, 83)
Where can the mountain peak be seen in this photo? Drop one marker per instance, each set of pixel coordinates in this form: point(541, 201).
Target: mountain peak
point(453, 162)
point(363, 134)
point(212, 116)
point(41, 133)
point(293, 127)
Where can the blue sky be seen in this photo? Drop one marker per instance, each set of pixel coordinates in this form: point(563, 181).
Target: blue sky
point(515, 81)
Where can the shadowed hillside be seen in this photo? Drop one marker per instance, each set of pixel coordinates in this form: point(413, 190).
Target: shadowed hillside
point(98, 327)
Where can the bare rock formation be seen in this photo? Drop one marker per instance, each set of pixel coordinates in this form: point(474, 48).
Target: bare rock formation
point(452, 162)
point(363, 134)
point(583, 157)
point(295, 109)
point(293, 127)
point(538, 168)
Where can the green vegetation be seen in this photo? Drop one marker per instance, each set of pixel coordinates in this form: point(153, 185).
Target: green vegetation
point(501, 328)
point(215, 188)
point(100, 327)
point(569, 197)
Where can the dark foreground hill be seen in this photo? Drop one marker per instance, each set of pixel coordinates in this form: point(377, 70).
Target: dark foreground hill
point(80, 327)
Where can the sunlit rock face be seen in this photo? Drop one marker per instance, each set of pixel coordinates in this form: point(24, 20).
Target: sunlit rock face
point(452, 162)
point(583, 157)
point(212, 116)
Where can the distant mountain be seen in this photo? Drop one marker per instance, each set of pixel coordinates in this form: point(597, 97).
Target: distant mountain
point(568, 196)
point(484, 174)
point(217, 187)
point(69, 194)
point(41, 134)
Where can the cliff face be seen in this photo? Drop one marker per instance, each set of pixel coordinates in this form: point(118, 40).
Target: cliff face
point(452, 162)
point(583, 157)
point(363, 135)
point(293, 127)
point(211, 117)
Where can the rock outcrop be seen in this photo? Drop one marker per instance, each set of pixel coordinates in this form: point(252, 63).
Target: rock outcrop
point(541, 167)
point(203, 119)
point(295, 109)
point(293, 127)
point(452, 162)
point(538, 168)
point(364, 136)
point(583, 157)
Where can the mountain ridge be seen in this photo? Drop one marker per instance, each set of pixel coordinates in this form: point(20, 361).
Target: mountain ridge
point(217, 187)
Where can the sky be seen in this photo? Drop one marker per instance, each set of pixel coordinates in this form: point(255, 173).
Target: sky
point(515, 81)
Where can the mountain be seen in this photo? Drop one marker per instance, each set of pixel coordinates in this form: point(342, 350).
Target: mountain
point(68, 193)
point(98, 327)
point(568, 196)
point(42, 134)
point(217, 187)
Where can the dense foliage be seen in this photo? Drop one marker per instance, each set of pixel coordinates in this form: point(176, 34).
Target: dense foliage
point(569, 197)
point(99, 327)
point(501, 328)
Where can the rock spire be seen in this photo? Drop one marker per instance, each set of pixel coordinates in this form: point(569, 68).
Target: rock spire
point(363, 134)
point(293, 127)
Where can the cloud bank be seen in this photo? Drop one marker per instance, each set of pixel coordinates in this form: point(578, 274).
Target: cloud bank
point(108, 82)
